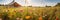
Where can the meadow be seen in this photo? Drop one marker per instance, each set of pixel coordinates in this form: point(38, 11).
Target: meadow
point(29, 13)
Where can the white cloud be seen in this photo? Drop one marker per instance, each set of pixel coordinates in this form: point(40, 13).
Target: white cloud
point(6, 2)
point(41, 3)
point(21, 2)
point(30, 2)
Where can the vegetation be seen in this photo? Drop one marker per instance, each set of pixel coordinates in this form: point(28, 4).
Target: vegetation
point(29, 13)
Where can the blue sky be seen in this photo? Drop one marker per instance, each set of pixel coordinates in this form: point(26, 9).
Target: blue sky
point(33, 2)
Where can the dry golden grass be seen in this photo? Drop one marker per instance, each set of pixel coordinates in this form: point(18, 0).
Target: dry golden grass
point(32, 10)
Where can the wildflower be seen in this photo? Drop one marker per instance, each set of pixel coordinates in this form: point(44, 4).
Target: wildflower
point(57, 18)
point(0, 18)
point(30, 11)
point(28, 17)
point(21, 10)
point(40, 18)
point(6, 10)
point(17, 18)
point(21, 18)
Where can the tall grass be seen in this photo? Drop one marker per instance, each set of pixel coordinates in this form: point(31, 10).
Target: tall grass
point(33, 12)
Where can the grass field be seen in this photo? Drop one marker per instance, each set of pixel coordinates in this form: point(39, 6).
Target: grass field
point(30, 13)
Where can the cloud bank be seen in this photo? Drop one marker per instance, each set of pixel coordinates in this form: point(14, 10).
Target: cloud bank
point(32, 2)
